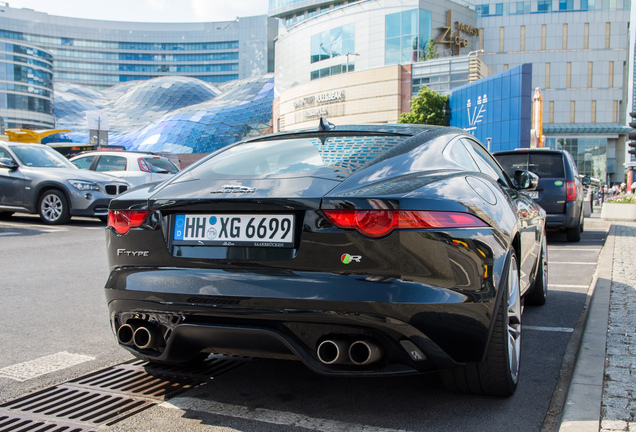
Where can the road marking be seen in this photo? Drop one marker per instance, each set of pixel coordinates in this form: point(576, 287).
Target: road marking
point(567, 286)
point(269, 416)
point(565, 248)
point(549, 329)
point(43, 365)
point(569, 263)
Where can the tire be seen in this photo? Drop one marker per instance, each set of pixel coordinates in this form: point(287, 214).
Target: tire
point(53, 208)
point(574, 234)
point(498, 373)
point(5, 215)
point(538, 294)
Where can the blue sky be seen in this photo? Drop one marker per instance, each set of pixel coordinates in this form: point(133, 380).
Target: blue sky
point(148, 10)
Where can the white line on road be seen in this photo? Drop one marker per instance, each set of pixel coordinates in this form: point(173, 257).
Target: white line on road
point(565, 248)
point(549, 329)
point(268, 416)
point(568, 286)
point(569, 263)
point(43, 365)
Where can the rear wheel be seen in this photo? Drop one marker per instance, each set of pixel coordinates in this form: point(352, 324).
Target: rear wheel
point(539, 292)
point(498, 373)
point(53, 208)
point(574, 233)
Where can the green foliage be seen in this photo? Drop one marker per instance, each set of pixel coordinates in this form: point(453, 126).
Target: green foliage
point(428, 107)
point(430, 50)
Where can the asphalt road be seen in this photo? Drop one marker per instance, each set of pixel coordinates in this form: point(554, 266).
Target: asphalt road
point(53, 305)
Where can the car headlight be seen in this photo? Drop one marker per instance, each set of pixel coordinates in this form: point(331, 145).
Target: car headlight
point(84, 185)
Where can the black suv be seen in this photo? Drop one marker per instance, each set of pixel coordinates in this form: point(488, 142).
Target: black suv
point(560, 189)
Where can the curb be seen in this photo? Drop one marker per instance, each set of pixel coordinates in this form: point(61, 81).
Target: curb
point(582, 409)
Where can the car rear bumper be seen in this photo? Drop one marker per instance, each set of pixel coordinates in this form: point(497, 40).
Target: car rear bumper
point(418, 327)
point(569, 219)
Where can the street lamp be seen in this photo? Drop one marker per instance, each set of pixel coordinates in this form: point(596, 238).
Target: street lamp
point(350, 54)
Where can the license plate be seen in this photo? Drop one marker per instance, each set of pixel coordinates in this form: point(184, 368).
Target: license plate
point(234, 230)
point(534, 194)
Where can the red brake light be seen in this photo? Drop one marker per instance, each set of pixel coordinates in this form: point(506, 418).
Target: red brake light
point(143, 165)
point(570, 190)
point(379, 223)
point(123, 220)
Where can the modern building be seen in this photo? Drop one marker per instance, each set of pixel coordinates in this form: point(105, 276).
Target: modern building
point(100, 53)
point(578, 49)
point(26, 85)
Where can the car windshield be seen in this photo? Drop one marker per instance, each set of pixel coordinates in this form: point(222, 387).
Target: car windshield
point(159, 165)
point(41, 157)
point(545, 165)
point(288, 157)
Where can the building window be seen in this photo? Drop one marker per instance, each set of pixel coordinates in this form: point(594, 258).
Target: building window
point(547, 75)
point(568, 75)
point(589, 74)
point(311, 12)
point(482, 10)
point(481, 38)
point(407, 35)
point(610, 74)
point(615, 112)
point(586, 36)
point(544, 6)
point(544, 32)
point(565, 37)
point(593, 119)
point(566, 5)
point(501, 39)
point(551, 112)
point(332, 43)
point(572, 111)
point(584, 4)
point(505, 67)
point(522, 37)
point(608, 29)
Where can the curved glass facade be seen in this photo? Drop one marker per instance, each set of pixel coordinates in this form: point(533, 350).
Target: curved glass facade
point(176, 114)
point(26, 86)
point(99, 53)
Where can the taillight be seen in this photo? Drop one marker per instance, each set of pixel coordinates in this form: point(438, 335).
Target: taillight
point(123, 220)
point(143, 165)
point(570, 190)
point(379, 223)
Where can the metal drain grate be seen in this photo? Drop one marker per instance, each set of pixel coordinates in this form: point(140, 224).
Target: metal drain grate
point(106, 396)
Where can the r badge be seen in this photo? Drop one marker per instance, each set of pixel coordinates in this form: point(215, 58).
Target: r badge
point(346, 258)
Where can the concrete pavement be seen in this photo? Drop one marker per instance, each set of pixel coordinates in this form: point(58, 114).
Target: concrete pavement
point(602, 392)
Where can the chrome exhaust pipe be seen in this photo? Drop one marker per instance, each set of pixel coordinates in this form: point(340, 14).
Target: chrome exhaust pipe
point(147, 337)
point(125, 334)
point(364, 352)
point(332, 351)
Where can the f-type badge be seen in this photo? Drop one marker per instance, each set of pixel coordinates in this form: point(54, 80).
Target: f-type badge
point(234, 189)
point(347, 259)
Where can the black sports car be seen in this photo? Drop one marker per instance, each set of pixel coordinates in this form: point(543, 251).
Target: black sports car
point(359, 250)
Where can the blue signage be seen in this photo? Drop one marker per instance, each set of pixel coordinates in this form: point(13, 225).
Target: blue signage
point(497, 107)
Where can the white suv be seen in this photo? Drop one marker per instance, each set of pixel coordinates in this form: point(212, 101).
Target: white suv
point(136, 168)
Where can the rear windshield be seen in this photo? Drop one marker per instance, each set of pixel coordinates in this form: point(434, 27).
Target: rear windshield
point(298, 156)
point(546, 165)
point(158, 165)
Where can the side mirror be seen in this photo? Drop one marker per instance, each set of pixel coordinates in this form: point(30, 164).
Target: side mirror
point(8, 163)
point(525, 180)
point(586, 181)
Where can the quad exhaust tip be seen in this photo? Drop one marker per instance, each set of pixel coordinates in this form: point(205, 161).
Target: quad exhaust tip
point(359, 353)
point(141, 336)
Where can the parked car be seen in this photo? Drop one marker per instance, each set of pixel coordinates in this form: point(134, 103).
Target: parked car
point(560, 188)
point(136, 168)
point(34, 178)
point(358, 250)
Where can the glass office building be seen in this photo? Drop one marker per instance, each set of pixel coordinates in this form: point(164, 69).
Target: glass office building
point(26, 85)
point(100, 54)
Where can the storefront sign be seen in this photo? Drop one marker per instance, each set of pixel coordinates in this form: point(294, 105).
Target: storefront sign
point(320, 98)
point(319, 112)
point(454, 38)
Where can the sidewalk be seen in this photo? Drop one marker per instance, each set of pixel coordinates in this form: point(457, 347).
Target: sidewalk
point(602, 393)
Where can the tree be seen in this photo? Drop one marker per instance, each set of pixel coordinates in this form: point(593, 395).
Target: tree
point(428, 107)
point(430, 50)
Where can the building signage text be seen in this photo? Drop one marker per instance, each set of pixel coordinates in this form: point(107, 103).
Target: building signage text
point(320, 98)
point(454, 39)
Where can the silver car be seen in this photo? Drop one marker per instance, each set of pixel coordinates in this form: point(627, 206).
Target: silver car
point(36, 179)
